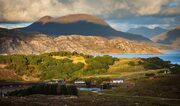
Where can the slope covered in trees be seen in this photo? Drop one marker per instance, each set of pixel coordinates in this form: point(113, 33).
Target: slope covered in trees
point(46, 67)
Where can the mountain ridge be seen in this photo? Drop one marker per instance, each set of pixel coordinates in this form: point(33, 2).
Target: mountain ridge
point(171, 37)
point(147, 32)
point(73, 18)
point(17, 42)
point(78, 24)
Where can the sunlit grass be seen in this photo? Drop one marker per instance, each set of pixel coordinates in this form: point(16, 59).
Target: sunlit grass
point(123, 66)
point(123, 69)
point(76, 59)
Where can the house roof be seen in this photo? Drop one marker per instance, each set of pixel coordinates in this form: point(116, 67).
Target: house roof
point(79, 81)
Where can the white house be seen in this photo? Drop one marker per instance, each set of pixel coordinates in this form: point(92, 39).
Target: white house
point(117, 81)
point(60, 82)
point(80, 83)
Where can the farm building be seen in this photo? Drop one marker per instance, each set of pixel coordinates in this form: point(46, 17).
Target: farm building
point(80, 83)
point(117, 81)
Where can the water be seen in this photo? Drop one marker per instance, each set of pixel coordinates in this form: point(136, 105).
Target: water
point(90, 89)
point(172, 56)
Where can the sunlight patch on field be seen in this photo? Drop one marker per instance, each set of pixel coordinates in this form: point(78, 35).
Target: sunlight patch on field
point(76, 59)
point(123, 69)
point(123, 66)
point(103, 76)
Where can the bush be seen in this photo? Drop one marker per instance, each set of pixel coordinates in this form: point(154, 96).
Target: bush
point(131, 63)
point(175, 69)
point(47, 89)
point(72, 90)
point(156, 63)
point(149, 74)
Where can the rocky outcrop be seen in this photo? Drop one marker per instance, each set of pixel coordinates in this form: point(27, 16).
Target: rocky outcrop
point(16, 42)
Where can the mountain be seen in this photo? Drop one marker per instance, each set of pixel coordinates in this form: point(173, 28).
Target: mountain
point(18, 42)
point(78, 24)
point(171, 37)
point(147, 32)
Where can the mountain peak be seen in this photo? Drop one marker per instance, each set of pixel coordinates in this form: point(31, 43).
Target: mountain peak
point(72, 18)
point(79, 24)
point(45, 19)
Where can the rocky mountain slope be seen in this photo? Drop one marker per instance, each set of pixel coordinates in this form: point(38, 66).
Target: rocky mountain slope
point(170, 38)
point(17, 42)
point(78, 24)
point(147, 32)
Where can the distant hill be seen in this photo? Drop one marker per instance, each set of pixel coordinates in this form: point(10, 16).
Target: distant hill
point(17, 42)
point(78, 24)
point(147, 32)
point(171, 37)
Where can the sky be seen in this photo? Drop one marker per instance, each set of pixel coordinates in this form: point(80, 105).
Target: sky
point(120, 14)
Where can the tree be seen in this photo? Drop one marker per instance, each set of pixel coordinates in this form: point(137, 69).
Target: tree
point(156, 63)
point(175, 69)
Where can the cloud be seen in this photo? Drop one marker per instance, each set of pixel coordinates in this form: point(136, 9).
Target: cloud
point(124, 24)
point(31, 10)
point(13, 25)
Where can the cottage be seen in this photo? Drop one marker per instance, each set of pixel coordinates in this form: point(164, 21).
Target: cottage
point(80, 83)
point(60, 82)
point(117, 81)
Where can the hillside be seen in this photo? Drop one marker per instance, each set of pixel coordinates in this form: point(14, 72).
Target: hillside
point(145, 82)
point(170, 38)
point(70, 65)
point(17, 42)
point(78, 24)
point(147, 32)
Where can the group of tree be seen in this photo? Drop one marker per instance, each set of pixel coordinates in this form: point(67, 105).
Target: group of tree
point(99, 64)
point(155, 63)
point(47, 89)
point(51, 68)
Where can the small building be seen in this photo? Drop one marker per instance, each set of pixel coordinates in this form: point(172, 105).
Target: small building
point(117, 81)
point(60, 82)
point(80, 83)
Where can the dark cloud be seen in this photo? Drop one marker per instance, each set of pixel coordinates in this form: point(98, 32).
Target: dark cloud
point(128, 13)
point(30, 10)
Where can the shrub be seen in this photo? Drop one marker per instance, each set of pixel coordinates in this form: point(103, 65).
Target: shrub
point(149, 74)
point(175, 69)
point(131, 63)
point(156, 63)
point(72, 90)
point(48, 89)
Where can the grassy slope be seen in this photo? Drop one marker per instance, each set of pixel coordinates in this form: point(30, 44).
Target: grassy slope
point(166, 86)
point(136, 83)
point(137, 90)
point(7, 75)
point(123, 69)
